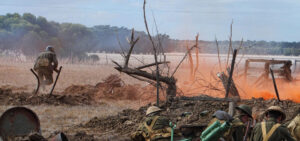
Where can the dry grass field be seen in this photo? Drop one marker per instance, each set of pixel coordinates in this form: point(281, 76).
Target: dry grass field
point(16, 75)
point(55, 119)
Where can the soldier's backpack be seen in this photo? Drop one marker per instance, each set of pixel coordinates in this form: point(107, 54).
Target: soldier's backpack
point(149, 134)
point(43, 62)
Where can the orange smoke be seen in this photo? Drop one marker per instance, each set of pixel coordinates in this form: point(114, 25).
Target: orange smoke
point(206, 82)
point(264, 94)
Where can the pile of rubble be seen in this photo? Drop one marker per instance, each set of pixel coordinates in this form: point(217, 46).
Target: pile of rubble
point(114, 88)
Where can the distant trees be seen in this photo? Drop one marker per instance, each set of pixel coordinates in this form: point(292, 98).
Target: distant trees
point(31, 34)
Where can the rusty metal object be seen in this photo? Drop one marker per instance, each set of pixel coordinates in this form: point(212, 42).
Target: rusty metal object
point(38, 80)
point(59, 137)
point(55, 80)
point(18, 121)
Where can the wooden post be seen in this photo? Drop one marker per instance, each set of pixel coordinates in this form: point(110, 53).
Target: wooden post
point(275, 86)
point(231, 73)
point(232, 106)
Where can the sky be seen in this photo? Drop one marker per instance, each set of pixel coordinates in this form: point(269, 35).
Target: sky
point(270, 20)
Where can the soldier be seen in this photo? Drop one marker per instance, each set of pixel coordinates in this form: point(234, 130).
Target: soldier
point(294, 126)
point(45, 64)
point(271, 129)
point(240, 122)
point(154, 128)
point(286, 70)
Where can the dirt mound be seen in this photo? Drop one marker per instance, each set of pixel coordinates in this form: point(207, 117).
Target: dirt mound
point(7, 97)
point(112, 80)
point(80, 90)
point(114, 88)
point(182, 112)
point(81, 136)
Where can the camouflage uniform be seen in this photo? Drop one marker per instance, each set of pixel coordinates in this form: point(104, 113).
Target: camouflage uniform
point(281, 133)
point(44, 65)
point(154, 127)
point(238, 129)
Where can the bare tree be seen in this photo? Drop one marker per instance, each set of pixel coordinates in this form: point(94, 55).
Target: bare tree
point(150, 77)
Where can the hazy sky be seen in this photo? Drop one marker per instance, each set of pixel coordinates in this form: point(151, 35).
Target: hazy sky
point(277, 20)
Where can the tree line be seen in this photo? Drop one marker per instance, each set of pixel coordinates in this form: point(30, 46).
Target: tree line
point(31, 34)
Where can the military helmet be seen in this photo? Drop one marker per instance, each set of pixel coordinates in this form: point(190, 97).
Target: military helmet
point(222, 115)
point(246, 109)
point(50, 48)
point(152, 109)
point(277, 109)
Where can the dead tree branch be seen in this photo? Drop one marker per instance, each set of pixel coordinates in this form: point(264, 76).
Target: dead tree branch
point(132, 42)
point(230, 49)
point(197, 56)
point(191, 62)
point(218, 49)
point(152, 64)
point(182, 60)
point(154, 51)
